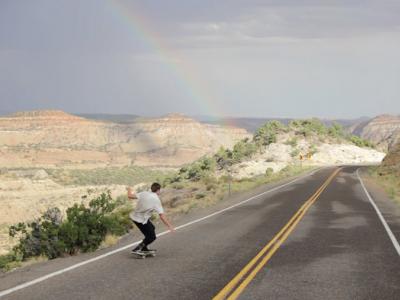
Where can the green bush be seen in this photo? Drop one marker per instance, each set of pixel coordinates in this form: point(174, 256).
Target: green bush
point(267, 133)
point(83, 230)
point(7, 260)
point(172, 179)
point(223, 158)
point(86, 227)
point(336, 130)
point(308, 126)
point(198, 169)
point(269, 172)
point(40, 237)
point(243, 149)
point(295, 152)
point(360, 142)
point(200, 196)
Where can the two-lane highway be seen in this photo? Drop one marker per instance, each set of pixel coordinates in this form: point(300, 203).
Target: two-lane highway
point(316, 238)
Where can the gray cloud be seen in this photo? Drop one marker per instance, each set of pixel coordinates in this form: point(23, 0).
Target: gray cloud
point(280, 58)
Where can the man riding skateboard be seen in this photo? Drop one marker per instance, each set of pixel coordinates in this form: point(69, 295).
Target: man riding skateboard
point(148, 202)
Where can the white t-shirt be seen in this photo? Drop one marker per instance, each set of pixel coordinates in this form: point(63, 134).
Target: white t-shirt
point(148, 202)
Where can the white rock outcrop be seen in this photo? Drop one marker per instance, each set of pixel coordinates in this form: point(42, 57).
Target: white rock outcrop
point(345, 154)
point(279, 155)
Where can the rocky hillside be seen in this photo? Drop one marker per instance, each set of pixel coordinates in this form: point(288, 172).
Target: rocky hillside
point(292, 148)
point(56, 139)
point(276, 146)
point(391, 163)
point(384, 131)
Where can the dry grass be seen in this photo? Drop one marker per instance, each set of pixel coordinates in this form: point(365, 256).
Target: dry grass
point(110, 240)
point(12, 265)
point(388, 181)
point(183, 197)
point(34, 260)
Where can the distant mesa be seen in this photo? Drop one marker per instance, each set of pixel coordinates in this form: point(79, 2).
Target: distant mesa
point(175, 116)
point(172, 118)
point(44, 114)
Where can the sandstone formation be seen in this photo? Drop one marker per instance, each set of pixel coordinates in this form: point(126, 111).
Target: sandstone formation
point(384, 131)
point(56, 139)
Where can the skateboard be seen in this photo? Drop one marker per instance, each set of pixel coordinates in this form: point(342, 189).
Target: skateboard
point(143, 255)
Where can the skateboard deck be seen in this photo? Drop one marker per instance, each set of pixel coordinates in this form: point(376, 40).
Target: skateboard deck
point(143, 255)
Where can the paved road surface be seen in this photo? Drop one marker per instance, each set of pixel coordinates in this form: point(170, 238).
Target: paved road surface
point(334, 246)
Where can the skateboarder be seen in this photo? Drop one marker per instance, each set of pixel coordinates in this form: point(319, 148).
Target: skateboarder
point(148, 202)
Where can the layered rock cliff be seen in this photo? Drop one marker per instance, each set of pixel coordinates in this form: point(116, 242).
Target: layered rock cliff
point(54, 138)
point(384, 131)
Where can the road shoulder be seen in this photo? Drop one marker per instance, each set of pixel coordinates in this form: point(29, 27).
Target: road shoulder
point(389, 208)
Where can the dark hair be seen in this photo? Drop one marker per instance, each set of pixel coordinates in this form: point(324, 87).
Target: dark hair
point(155, 187)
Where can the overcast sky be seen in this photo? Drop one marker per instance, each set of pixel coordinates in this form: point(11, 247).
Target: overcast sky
point(271, 58)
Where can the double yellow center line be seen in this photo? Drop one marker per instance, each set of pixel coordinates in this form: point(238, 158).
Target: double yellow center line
point(237, 285)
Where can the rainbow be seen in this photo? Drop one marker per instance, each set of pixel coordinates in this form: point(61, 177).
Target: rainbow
point(183, 73)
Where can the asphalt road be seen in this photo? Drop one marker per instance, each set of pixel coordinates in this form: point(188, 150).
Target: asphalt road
point(334, 246)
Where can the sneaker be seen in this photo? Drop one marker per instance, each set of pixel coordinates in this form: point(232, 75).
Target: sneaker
point(152, 251)
point(138, 248)
point(145, 249)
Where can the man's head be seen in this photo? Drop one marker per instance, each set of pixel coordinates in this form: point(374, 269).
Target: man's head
point(156, 188)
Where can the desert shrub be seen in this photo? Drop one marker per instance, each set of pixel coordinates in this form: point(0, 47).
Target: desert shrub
point(211, 186)
point(336, 131)
point(295, 152)
point(223, 158)
point(200, 196)
point(360, 142)
point(308, 126)
point(84, 228)
point(172, 179)
point(267, 133)
point(198, 169)
point(243, 149)
point(269, 172)
point(7, 260)
point(39, 237)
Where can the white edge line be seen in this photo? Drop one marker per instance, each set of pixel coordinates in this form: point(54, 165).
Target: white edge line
point(388, 230)
point(59, 272)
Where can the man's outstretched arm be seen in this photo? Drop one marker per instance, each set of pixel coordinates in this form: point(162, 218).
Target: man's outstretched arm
point(166, 222)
